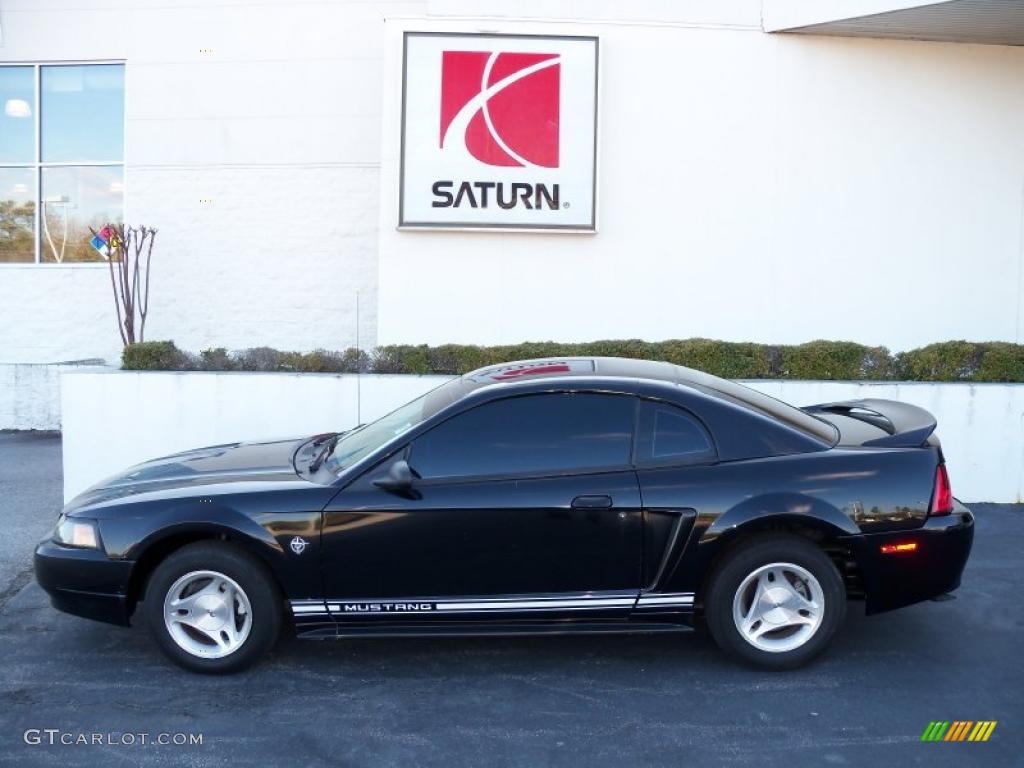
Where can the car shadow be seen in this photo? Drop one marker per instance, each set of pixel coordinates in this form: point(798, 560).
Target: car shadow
point(897, 636)
point(893, 634)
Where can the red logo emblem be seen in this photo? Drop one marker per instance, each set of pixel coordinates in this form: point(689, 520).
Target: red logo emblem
point(533, 370)
point(502, 106)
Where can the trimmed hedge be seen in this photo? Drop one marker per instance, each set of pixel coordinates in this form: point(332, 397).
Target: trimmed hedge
point(153, 356)
point(840, 360)
point(964, 361)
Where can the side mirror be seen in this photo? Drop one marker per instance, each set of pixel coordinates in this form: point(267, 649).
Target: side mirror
point(399, 478)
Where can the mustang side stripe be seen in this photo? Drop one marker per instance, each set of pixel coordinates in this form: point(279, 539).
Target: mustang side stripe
point(579, 602)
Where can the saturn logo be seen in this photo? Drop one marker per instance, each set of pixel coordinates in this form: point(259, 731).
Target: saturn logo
point(299, 545)
point(501, 108)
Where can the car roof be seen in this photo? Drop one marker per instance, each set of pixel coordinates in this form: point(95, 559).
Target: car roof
point(562, 371)
point(572, 371)
point(603, 367)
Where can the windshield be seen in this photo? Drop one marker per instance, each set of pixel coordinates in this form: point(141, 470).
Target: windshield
point(356, 445)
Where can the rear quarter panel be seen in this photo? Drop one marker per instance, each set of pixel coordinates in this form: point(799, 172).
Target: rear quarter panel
point(840, 492)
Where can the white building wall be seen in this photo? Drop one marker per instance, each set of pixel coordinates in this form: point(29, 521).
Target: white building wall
point(279, 126)
point(774, 188)
point(114, 420)
point(30, 394)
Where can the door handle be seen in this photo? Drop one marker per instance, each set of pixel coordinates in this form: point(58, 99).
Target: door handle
point(592, 502)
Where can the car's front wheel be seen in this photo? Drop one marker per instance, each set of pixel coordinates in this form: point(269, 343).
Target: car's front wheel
point(775, 601)
point(213, 607)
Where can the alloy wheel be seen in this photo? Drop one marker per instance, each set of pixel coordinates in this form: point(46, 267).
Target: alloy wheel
point(207, 614)
point(778, 607)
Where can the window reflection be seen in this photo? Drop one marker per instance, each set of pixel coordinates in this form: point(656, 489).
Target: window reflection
point(83, 113)
point(17, 121)
point(75, 198)
point(59, 181)
point(17, 214)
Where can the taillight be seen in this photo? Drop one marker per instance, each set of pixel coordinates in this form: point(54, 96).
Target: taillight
point(895, 549)
point(942, 496)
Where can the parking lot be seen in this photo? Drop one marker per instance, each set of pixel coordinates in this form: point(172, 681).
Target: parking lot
point(658, 700)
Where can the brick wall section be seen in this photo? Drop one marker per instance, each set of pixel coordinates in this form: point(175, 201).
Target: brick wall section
point(278, 125)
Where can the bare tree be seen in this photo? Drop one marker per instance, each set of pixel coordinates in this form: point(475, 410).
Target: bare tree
point(129, 257)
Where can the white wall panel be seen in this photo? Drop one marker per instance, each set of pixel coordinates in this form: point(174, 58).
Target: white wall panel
point(114, 420)
point(278, 125)
point(759, 187)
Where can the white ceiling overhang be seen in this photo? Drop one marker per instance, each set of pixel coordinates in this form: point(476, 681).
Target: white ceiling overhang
point(992, 22)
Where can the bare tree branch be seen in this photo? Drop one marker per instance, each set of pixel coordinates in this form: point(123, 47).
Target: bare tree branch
point(113, 287)
point(126, 291)
point(135, 267)
point(144, 299)
point(130, 285)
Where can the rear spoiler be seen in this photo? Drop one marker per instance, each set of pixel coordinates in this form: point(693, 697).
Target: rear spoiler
point(907, 425)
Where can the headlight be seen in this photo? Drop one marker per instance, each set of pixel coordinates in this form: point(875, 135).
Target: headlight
point(77, 532)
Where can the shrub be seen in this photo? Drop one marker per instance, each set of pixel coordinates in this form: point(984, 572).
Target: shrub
point(153, 356)
point(213, 360)
point(946, 361)
point(964, 361)
point(833, 360)
point(461, 358)
point(318, 361)
point(1001, 361)
point(258, 359)
point(733, 360)
point(392, 359)
point(403, 359)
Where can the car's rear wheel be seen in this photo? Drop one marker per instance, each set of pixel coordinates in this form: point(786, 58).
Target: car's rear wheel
point(775, 601)
point(213, 607)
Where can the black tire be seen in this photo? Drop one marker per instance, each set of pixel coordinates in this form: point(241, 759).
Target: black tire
point(248, 573)
point(743, 561)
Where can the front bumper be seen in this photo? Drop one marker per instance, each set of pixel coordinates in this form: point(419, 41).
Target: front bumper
point(84, 582)
point(932, 569)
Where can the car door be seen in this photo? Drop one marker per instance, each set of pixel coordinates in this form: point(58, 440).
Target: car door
point(526, 509)
point(674, 452)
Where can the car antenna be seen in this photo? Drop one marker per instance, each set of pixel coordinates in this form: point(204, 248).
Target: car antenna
point(359, 369)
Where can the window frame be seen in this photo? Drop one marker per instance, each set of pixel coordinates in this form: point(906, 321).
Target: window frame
point(406, 450)
point(37, 165)
point(644, 435)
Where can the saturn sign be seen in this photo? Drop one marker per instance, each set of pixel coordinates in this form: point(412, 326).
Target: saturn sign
point(499, 132)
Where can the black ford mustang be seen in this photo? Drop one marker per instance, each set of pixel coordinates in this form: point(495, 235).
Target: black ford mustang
point(543, 497)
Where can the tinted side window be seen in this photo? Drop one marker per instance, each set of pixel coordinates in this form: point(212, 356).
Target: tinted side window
point(669, 434)
point(532, 433)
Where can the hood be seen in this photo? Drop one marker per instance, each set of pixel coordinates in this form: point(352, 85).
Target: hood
point(202, 468)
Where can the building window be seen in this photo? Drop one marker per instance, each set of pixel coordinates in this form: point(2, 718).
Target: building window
point(61, 159)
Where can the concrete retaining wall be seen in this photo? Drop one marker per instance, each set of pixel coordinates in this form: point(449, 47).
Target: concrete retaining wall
point(114, 419)
point(30, 393)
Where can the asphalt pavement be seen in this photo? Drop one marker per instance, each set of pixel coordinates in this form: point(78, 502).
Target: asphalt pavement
point(602, 701)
